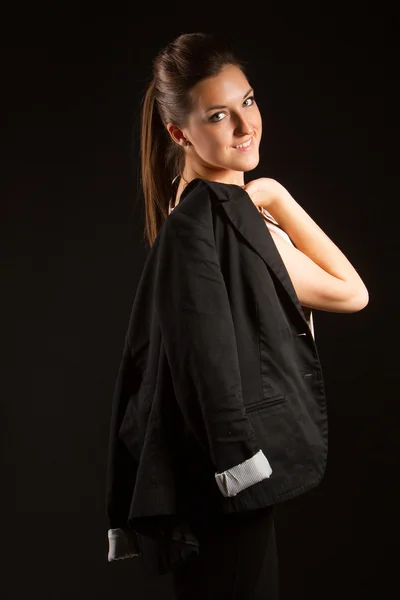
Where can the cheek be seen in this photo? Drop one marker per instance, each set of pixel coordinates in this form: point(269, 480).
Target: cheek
point(214, 140)
point(258, 120)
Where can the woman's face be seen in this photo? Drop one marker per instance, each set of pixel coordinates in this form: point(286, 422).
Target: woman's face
point(224, 115)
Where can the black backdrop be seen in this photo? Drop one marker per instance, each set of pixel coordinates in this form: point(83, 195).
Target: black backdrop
point(72, 80)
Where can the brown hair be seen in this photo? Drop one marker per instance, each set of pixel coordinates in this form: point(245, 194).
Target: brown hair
point(176, 69)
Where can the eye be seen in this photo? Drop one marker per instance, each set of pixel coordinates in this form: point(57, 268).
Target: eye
point(252, 100)
point(216, 115)
point(216, 120)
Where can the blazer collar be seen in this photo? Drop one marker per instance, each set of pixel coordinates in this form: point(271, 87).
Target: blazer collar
point(248, 221)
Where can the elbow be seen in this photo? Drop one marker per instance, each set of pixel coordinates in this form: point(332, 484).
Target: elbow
point(360, 300)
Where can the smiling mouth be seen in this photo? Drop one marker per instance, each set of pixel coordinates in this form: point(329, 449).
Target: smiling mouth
point(245, 145)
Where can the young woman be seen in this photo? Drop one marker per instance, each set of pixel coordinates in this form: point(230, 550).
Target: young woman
point(201, 121)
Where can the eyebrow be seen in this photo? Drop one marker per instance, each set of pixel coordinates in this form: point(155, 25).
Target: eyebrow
point(215, 107)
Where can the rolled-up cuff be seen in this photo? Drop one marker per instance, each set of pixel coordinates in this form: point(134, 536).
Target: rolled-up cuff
point(122, 544)
point(242, 476)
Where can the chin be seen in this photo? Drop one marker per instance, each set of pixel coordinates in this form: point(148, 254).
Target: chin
point(247, 164)
point(241, 163)
point(254, 164)
point(238, 163)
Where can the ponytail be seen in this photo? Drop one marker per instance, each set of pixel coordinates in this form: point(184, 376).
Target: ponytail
point(159, 165)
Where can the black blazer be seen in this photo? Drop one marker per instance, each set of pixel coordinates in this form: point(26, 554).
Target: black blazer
point(219, 404)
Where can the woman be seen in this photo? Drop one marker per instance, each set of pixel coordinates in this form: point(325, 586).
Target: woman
point(201, 122)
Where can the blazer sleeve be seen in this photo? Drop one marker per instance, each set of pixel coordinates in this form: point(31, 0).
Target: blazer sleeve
point(121, 472)
point(198, 333)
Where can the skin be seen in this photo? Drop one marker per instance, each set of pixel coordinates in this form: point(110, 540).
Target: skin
point(322, 276)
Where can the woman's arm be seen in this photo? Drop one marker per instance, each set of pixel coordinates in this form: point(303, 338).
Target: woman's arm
point(321, 274)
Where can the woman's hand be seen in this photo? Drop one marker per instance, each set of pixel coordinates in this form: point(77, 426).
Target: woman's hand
point(264, 191)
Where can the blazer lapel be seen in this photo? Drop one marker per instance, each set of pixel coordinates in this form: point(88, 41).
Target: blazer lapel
point(245, 217)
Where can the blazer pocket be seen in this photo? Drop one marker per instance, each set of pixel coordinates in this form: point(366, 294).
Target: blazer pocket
point(264, 403)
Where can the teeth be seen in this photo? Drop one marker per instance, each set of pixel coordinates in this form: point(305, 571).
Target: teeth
point(244, 145)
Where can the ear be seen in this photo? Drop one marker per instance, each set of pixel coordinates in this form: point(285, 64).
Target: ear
point(176, 134)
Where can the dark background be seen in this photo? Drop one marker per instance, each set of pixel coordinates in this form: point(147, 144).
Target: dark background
point(73, 250)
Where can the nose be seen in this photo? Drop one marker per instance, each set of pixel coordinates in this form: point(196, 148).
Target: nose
point(243, 127)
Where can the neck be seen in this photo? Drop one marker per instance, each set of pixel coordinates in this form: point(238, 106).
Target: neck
point(222, 176)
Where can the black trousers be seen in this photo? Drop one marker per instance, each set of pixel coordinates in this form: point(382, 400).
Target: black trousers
point(237, 560)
